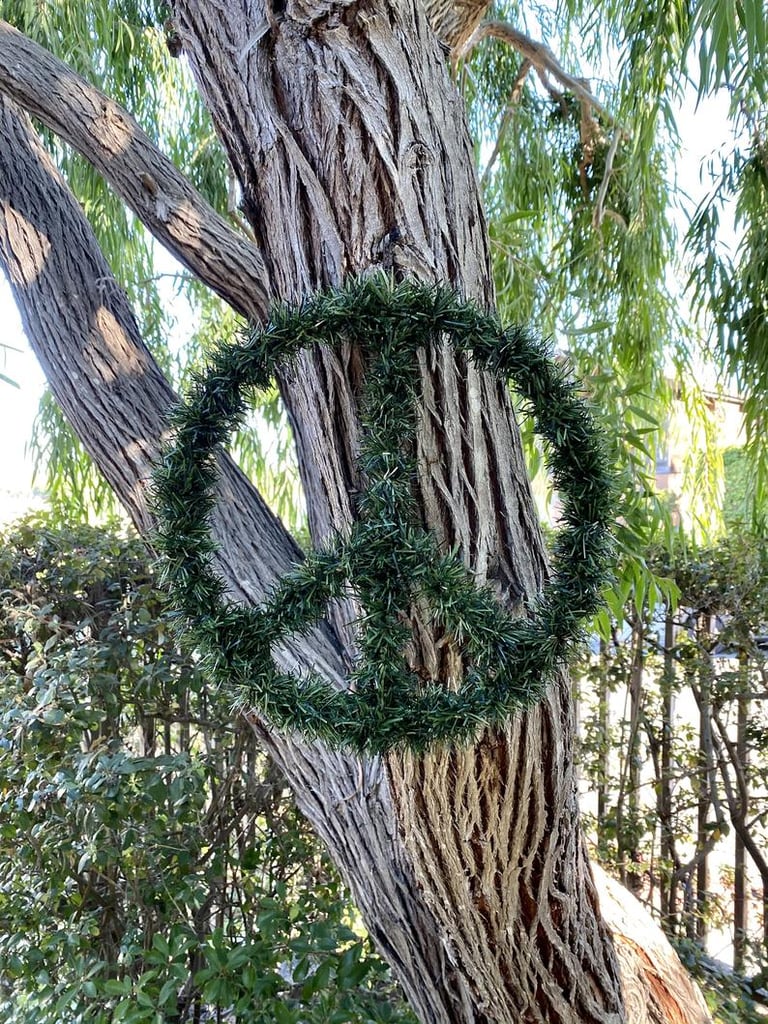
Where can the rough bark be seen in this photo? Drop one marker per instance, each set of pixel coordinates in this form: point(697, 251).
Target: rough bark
point(357, 156)
point(143, 178)
point(455, 22)
point(506, 873)
point(358, 142)
point(349, 144)
point(82, 330)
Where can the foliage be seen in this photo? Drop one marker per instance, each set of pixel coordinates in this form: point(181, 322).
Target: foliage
point(588, 250)
point(731, 998)
point(727, 279)
point(152, 865)
point(592, 267)
point(585, 247)
point(673, 745)
point(738, 489)
point(390, 562)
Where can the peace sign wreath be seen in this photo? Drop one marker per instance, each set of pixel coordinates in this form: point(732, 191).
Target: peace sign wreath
point(388, 560)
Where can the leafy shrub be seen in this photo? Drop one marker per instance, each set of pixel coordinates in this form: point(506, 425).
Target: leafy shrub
point(153, 867)
point(732, 998)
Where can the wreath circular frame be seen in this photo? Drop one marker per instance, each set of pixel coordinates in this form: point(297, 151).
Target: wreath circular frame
point(387, 559)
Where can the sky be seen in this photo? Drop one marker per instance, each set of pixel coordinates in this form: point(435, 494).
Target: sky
point(18, 405)
point(704, 129)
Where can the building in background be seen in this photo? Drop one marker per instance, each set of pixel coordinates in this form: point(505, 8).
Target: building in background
point(681, 461)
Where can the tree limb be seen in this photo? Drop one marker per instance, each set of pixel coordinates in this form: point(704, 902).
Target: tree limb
point(506, 120)
point(82, 329)
point(737, 805)
point(147, 181)
point(540, 56)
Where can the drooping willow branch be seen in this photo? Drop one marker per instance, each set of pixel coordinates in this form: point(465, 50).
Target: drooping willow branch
point(507, 117)
point(540, 57)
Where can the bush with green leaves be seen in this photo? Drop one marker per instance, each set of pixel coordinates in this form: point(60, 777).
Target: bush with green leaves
point(731, 998)
point(153, 867)
point(673, 741)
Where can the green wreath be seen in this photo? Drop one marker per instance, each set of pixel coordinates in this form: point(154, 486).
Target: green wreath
point(388, 560)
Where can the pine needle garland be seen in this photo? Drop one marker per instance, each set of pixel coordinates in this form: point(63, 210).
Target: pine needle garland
point(388, 560)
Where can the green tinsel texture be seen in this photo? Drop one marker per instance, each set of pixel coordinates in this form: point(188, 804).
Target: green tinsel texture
point(388, 559)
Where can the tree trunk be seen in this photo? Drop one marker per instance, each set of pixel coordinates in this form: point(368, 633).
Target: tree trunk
point(358, 142)
point(627, 801)
point(604, 751)
point(350, 147)
point(704, 787)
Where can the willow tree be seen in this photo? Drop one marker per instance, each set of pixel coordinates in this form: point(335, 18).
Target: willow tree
point(347, 150)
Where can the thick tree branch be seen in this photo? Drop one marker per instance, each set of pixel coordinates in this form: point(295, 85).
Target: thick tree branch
point(540, 56)
point(148, 182)
point(82, 329)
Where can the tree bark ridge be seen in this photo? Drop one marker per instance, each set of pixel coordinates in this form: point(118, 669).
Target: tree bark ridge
point(505, 872)
point(358, 157)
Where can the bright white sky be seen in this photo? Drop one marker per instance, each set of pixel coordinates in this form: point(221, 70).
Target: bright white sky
point(704, 131)
point(18, 406)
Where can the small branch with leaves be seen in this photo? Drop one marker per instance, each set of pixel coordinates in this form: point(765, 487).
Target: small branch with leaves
point(507, 118)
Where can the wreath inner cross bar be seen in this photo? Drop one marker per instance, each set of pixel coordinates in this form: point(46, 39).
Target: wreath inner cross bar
point(388, 559)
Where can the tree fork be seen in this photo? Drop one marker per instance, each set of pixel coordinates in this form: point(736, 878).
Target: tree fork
point(342, 118)
point(386, 178)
